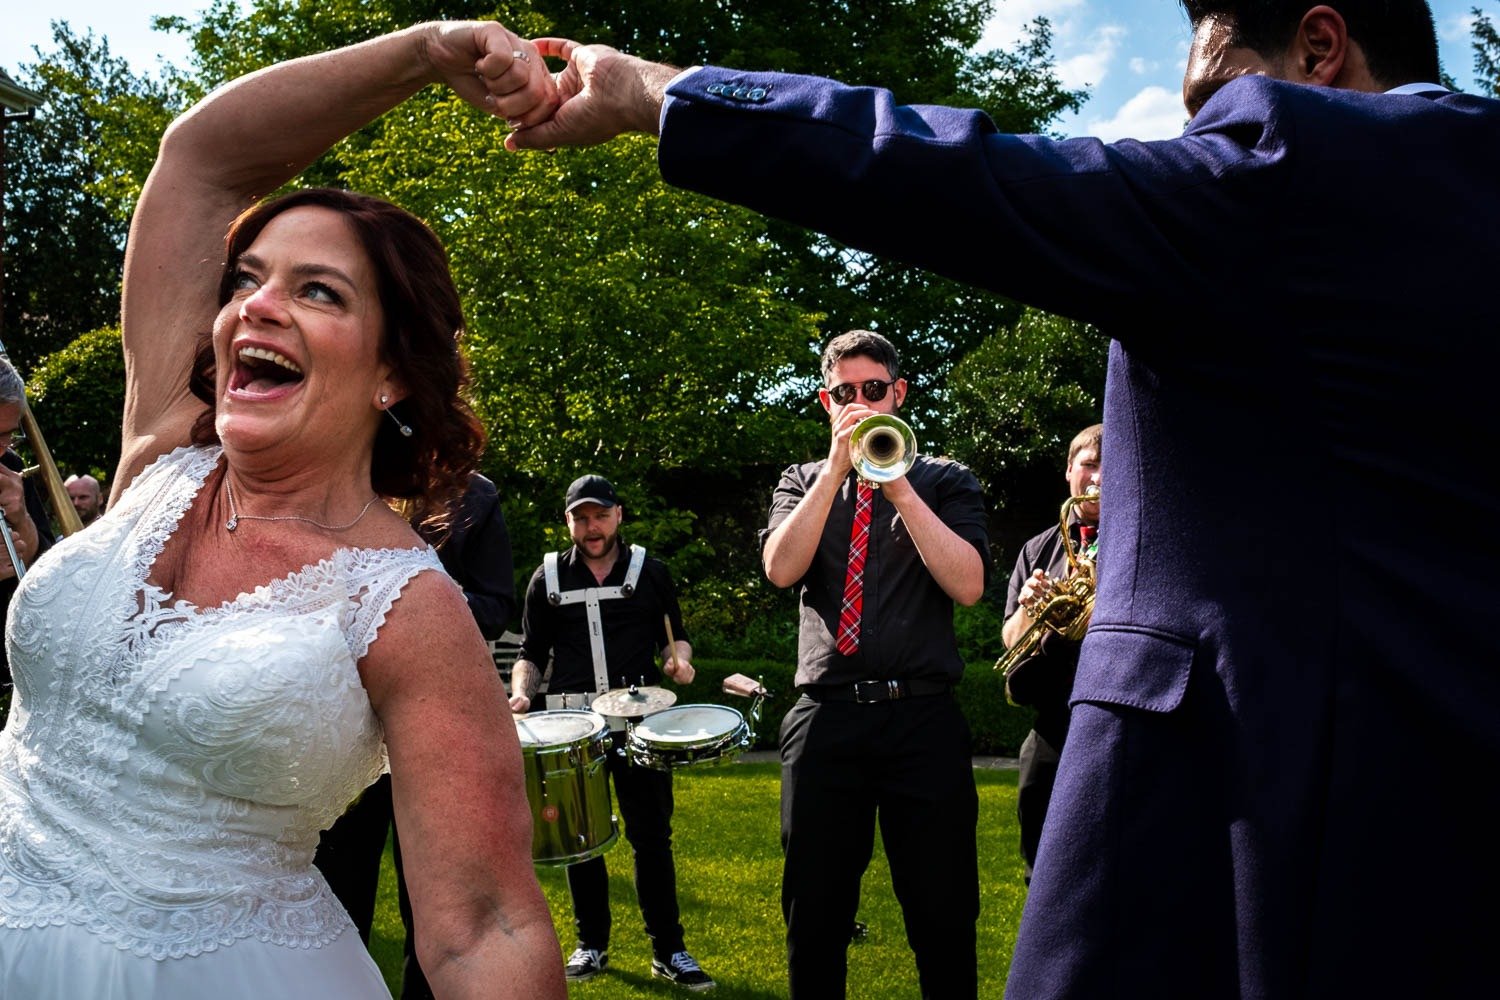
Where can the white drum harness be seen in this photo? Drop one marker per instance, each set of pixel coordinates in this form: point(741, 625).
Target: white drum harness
point(591, 596)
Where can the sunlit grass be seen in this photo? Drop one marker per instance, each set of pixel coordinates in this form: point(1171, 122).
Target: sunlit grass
point(725, 835)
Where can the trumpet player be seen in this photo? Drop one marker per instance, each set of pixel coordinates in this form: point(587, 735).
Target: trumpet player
point(25, 515)
point(1047, 684)
point(877, 729)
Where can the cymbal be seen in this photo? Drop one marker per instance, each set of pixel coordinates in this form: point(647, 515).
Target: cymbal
point(634, 702)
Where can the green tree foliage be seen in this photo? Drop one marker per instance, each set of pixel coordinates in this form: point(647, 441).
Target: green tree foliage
point(1486, 53)
point(1019, 397)
point(620, 326)
point(922, 51)
point(65, 205)
point(78, 394)
point(617, 325)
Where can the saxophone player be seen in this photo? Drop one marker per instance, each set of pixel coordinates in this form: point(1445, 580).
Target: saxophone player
point(1042, 562)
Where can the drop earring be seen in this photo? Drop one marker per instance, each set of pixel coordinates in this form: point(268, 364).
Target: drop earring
point(404, 428)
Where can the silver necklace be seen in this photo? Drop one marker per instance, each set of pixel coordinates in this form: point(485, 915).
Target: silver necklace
point(235, 516)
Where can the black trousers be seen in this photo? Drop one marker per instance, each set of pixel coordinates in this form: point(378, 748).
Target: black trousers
point(349, 857)
point(907, 765)
point(1038, 773)
point(643, 801)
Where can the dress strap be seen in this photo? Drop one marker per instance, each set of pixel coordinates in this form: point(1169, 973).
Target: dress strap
point(375, 578)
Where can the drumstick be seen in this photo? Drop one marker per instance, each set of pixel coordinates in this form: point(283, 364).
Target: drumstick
point(671, 645)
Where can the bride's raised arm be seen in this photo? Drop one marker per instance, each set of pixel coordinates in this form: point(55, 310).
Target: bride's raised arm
point(242, 142)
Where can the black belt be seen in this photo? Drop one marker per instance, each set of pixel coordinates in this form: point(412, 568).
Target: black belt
point(868, 691)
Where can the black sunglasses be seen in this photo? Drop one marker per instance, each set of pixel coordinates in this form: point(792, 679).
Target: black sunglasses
point(873, 390)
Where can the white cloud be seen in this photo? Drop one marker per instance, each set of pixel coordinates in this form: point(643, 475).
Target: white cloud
point(1083, 49)
point(1087, 68)
point(1153, 113)
point(1140, 66)
point(1458, 28)
point(1012, 16)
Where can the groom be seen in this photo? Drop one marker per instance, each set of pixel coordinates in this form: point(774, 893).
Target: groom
point(1300, 280)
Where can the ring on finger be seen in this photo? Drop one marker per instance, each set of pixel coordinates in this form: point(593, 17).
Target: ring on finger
point(519, 55)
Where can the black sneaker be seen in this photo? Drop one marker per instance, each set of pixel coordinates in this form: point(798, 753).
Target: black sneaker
point(585, 963)
point(683, 970)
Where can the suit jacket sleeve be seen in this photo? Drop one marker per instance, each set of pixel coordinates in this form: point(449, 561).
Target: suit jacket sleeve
point(1078, 226)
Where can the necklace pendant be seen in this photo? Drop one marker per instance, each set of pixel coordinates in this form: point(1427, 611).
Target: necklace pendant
point(232, 523)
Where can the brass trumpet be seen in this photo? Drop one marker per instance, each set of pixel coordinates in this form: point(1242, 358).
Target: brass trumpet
point(882, 448)
point(1071, 604)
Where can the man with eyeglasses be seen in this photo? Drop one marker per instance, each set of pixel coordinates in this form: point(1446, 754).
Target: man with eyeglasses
point(877, 729)
point(25, 514)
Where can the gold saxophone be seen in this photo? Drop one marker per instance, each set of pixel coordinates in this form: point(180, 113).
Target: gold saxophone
point(1069, 607)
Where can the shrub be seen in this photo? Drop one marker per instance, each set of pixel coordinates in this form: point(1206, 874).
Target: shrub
point(79, 394)
point(741, 622)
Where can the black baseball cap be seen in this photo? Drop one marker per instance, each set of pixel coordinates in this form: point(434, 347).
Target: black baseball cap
point(590, 489)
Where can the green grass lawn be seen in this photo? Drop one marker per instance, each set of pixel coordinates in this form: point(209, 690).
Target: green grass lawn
point(725, 835)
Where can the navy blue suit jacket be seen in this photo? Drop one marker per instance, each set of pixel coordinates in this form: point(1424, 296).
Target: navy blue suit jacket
point(1286, 722)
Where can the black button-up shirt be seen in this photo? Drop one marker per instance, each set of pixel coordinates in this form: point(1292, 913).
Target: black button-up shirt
point(1046, 687)
point(476, 553)
point(44, 538)
point(906, 627)
point(634, 631)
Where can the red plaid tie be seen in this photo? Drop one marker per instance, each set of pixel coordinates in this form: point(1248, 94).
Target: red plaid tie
point(854, 580)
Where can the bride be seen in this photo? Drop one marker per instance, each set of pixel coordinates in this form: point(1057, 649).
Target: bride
point(211, 672)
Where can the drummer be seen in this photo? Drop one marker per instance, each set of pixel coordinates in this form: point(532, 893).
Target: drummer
point(601, 641)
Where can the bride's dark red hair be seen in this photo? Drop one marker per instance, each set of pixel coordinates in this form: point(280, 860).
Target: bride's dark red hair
point(423, 323)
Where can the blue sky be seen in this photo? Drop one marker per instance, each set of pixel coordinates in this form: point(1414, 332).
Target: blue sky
point(1129, 53)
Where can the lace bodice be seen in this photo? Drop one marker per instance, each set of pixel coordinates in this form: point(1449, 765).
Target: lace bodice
point(167, 768)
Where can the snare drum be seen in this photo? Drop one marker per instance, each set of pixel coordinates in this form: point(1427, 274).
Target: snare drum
point(567, 785)
point(688, 734)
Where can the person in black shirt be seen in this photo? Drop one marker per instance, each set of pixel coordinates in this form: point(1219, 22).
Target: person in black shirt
point(25, 513)
point(876, 729)
point(1042, 562)
point(633, 597)
point(476, 553)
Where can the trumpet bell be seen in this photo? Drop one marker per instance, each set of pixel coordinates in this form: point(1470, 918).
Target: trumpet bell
point(882, 448)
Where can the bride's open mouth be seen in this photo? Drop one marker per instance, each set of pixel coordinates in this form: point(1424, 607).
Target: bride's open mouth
point(260, 371)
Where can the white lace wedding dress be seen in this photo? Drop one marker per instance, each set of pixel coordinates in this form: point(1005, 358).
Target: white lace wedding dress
point(167, 769)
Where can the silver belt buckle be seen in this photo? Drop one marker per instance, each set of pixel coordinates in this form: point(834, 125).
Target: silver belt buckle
point(891, 693)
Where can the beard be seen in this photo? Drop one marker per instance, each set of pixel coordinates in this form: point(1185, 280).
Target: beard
point(606, 545)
